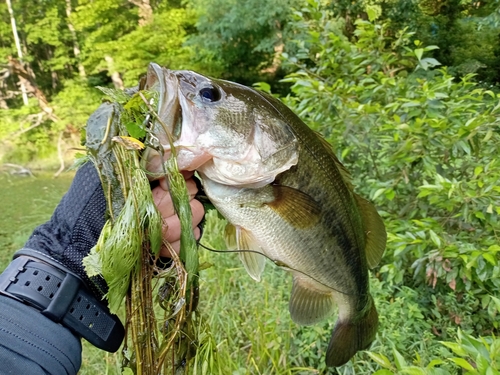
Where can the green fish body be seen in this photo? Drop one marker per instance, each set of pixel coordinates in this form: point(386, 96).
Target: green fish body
point(287, 198)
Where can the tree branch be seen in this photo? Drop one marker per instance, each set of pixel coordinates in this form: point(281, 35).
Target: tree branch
point(16, 67)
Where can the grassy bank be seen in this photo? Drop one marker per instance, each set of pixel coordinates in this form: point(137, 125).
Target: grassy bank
point(249, 321)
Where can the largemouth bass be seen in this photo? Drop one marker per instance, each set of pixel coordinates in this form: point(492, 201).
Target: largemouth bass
point(285, 194)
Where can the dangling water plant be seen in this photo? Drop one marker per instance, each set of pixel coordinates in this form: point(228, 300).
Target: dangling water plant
point(164, 332)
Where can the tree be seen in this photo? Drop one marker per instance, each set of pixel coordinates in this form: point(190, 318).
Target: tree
point(241, 41)
point(18, 48)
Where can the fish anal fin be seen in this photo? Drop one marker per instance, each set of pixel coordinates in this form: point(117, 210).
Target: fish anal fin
point(376, 236)
point(297, 208)
point(309, 302)
point(350, 336)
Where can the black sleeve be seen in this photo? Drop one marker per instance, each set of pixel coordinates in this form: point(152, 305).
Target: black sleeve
point(75, 226)
point(32, 344)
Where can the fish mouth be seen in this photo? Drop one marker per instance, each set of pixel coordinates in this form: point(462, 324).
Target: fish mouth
point(167, 131)
point(166, 126)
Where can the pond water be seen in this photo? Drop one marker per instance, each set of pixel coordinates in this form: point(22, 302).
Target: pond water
point(25, 203)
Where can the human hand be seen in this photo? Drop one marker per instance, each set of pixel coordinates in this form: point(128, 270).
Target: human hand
point(171, 223)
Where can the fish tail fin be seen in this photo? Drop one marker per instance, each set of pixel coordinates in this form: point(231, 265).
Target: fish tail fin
point(352, 334)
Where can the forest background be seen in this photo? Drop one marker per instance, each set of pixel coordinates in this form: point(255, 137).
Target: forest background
point(406, 91)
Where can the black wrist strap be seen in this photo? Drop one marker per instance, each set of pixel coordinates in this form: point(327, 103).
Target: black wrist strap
point(62, 297)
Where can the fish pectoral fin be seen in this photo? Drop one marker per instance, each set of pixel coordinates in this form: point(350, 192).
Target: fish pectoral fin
point(309, 304)
point(376, 236)
point(254, 263)
point(352, 333)
point(250, 252)
point(230, 236)
point(295, 207)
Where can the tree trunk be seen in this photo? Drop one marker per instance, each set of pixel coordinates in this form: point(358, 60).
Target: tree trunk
point(19, 51)
point(145, 11)
point(60, 154)
point(17, 68)
point(115, 76)
point(76, 46)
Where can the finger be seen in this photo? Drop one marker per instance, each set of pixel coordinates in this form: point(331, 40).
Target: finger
point(163, 201)
point(191, 185)
point(176, 245)
point(172, 225)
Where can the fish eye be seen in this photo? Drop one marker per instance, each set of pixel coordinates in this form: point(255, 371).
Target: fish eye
point(210, 94)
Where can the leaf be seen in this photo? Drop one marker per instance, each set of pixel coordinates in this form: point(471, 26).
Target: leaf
point(456, 348)
point(381, 359)
point(464, 364)
point(490, 258)
point(482, 364)
point(419, 52)
point(399, 359)
point(374, 12)
point(435, 362)
point(92, 263)
point(378, 193)
point(488, 135)
point(430, 61)
point(390, 194)
point(430, 48)
point(383, 372)
point(435, 238)
point(413, 370)
point(479, 215)
point(497, 302)
point(135, 130)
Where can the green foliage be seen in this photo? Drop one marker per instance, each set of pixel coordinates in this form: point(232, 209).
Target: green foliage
point(101, 23)
point(160, 41)
point(465, 31)
point(237, 40)
point(74, 104)
point(476, 356)
point(471, 356)
point(423, 146)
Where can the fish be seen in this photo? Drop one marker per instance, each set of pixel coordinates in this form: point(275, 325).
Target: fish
point(285, 195)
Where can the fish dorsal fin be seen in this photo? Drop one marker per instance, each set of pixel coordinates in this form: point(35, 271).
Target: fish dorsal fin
point(308, 303)
point(251, 256)
point(346, 175)
point(294, 206)
point(376, 235)
point(374, 227)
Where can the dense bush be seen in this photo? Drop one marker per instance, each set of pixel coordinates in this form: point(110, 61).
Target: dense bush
point(423, 146)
